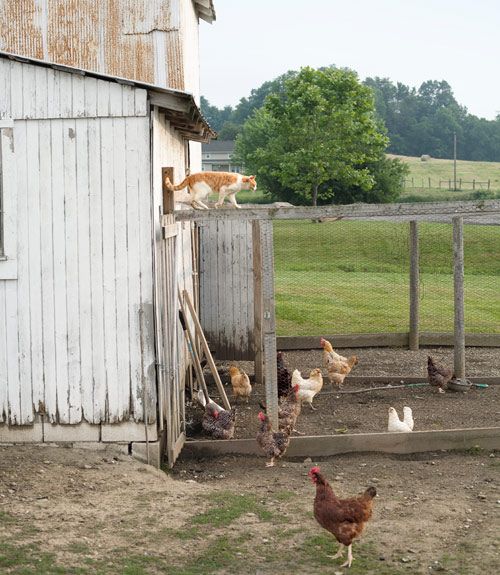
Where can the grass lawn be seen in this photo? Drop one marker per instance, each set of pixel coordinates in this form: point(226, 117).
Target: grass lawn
point(353, 277)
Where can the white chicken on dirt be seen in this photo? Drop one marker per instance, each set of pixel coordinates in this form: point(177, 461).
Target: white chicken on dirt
point(308, 388)
point(337, 366)
point(396, 425)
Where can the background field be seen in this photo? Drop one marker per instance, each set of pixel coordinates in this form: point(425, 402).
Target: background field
point(436, 170)
point(353, 277)
point(417, 183)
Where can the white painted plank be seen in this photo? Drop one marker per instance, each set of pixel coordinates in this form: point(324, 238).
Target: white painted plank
point(41, 87)
point(35, 272)
point(29, 92)
point(4, 383)
point(53, 94)
point(120, 144)
point(102, 98)
point(109, 268)
point(23, 275)
point(133, 159)
point(90, 97)
point(95, 210)
point(72, 293)
point(14, 395)
point(146, 250)
point(16, 90)
point(115, 99)
point(58, 242)
point(128, 100)
point(8, 268)
point(141, 102)
point(66, 94)
point(78, 102)
point(84, 268)
point(5, 110)
point(47, 272)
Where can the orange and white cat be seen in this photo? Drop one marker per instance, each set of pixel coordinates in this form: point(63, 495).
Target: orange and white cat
point(202, 184)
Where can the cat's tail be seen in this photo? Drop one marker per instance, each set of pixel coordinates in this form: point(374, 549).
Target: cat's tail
point(172, 188)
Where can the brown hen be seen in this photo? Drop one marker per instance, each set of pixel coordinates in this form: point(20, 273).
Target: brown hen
point(345, 519)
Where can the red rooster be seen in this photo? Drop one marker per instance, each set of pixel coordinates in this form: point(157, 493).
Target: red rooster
point(344, 518)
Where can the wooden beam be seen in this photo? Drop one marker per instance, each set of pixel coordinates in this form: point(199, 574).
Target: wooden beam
point(269, 321)
point(351, 211)
point(340, 340)
point(414, 287)
point(328, 445)
point(258, 309)
point(206, 350)
point(192, 348)
point(458, 277)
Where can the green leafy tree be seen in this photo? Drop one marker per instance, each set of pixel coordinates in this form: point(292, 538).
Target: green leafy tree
point(318, 135)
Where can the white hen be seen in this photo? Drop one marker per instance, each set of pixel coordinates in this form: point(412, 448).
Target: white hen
point(308, 388)
point(395, 424)
point(408, 417)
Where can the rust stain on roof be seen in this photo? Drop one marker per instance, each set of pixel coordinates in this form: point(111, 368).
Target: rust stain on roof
point(21, 15)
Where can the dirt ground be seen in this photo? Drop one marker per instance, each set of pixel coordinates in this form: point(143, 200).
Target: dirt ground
point(69, 511)
point(338, 411)
point(74, 511)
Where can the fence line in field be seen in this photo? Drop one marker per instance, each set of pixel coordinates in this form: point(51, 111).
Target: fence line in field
point(461, 184)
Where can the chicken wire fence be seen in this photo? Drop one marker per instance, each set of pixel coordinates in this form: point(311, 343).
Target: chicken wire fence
point(353, 276)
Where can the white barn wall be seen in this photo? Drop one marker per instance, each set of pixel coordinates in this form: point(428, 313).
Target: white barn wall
point(76, 321)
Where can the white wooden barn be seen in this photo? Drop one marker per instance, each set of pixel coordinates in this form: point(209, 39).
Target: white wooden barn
point(90, 349)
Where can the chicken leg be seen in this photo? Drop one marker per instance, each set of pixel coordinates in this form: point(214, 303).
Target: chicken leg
point(270, 463)
point(349, 557)
point(339, 553)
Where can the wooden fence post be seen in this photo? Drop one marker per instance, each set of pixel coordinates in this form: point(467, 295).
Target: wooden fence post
point(458, 275)
point(414, 287)
point(258, 340)
point(264, 318)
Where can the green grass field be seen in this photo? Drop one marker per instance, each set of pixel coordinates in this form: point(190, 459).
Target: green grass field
point(417, 183)
point(353, 277)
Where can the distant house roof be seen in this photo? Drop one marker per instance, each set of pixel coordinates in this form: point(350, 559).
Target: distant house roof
point(180, 108)
point(219, 146)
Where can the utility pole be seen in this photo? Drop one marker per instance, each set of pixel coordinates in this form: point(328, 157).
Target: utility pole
point(455, 161)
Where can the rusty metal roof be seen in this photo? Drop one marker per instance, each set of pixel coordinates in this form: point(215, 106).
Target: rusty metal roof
point(205, 9)
point(180, 108)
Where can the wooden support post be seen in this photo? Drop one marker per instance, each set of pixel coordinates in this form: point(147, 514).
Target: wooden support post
point(258, 339)
point(414, 287)
point(262, 232)
point(168, 195)
point(458, 274)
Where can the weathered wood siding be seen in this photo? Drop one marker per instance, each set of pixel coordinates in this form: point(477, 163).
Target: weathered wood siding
point(226, 287)
point(173, 265)
point(76, 323)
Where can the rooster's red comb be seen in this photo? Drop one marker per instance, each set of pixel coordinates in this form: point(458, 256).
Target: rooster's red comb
point(314, 470)
point(262, 417)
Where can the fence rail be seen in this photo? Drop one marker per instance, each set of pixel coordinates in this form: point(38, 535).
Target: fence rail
point(449, 184)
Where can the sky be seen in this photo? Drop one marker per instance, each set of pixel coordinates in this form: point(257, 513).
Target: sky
point(407, 41)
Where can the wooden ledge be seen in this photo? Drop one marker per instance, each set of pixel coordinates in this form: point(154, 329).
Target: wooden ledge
point(326, 445)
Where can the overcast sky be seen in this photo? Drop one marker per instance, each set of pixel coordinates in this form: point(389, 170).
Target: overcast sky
point(407, 41)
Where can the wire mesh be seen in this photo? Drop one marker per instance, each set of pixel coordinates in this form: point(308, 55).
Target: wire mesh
point(352, 276)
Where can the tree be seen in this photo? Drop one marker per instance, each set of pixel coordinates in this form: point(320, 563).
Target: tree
point(317, 135)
